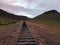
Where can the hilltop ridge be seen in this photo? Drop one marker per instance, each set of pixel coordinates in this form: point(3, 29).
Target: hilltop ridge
point(49, 15)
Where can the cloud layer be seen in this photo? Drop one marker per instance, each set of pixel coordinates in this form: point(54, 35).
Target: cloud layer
point(29, 8)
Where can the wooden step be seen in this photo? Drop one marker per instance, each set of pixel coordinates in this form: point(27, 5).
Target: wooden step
point(23, 40)
point(20, 43)
point(25, 35)
point(26, 38)
point(26, 44)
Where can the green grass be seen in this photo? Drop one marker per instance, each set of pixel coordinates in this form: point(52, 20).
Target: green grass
point(4, 21)
point(48, 22)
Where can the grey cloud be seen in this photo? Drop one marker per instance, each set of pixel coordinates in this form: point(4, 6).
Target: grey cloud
point(33, 8)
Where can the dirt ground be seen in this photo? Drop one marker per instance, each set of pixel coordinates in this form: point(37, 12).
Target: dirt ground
point(44, 34)
point(9, 36)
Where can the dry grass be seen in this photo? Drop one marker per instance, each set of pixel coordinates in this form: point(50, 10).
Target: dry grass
point(44, 33)
point(9, 35)
point(47, 22)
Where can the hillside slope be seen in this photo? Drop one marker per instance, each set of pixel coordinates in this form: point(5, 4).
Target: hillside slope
point(49, 15)
point(7, 18)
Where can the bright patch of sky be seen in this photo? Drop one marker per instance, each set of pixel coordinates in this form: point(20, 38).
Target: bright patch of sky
point(29, 8)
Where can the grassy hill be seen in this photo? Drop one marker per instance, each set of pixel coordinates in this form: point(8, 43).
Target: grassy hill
point(8, 18)
point(51, 17)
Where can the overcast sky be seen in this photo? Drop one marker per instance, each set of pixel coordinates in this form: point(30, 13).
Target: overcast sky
point(29, 8)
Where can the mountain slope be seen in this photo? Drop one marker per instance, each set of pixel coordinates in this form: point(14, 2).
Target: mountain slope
point(6, 18)
point(9, 15)
point(49, 15)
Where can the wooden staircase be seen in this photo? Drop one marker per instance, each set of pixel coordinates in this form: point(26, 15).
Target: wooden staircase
point(26, 37)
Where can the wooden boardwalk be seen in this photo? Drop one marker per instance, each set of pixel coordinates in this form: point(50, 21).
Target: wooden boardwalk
point(25, 37)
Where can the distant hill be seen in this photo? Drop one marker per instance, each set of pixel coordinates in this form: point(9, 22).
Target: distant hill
point(6, 17)
point(49, 15)
point(11, 16)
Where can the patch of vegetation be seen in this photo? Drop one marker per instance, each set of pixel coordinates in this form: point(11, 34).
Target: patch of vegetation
point(51, 17)
point(4, 21)
point(48, 22)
